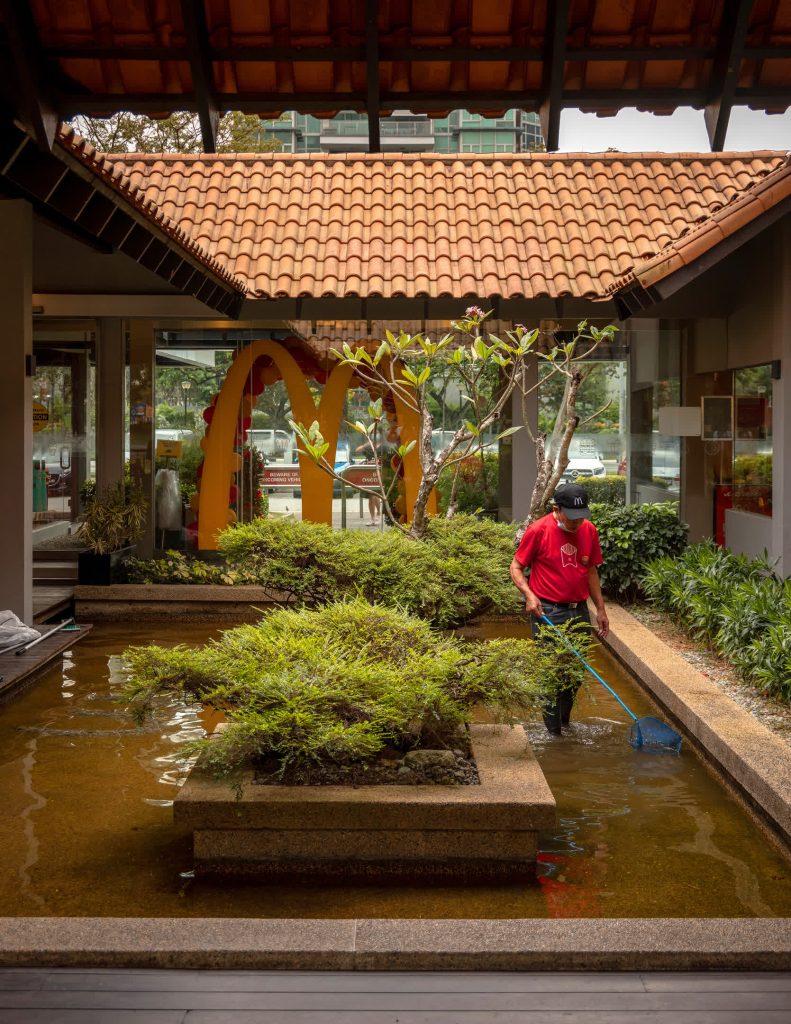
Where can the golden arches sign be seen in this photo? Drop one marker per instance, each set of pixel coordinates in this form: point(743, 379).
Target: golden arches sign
point(220, 459)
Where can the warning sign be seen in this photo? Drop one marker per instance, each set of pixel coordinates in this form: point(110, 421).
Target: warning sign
point(40, 416)
point(281, 476)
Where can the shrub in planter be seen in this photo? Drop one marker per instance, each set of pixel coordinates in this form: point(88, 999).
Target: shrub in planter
point(110, 524)
point(633, 536)
point(735, 604)
point(339, 684)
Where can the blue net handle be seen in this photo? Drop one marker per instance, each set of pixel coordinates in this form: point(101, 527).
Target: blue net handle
point(592, 671)
point(647, 731)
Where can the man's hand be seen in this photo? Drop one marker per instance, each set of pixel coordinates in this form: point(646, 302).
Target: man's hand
point(533, 605)
point(602, 623)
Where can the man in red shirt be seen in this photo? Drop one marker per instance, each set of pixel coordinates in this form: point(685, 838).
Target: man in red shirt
point(561, 550)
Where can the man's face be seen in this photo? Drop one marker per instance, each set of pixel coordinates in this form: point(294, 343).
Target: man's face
point(572, 525)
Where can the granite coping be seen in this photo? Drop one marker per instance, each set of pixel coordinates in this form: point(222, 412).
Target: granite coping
point(752, 757)
point(373, 944)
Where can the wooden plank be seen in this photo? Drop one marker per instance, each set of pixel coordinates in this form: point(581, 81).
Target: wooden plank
point(19, 669)
point(457, 1004)
point(335, 981)
point(93, 1017)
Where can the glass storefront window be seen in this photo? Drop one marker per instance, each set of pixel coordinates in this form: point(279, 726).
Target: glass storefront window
point(752, 446)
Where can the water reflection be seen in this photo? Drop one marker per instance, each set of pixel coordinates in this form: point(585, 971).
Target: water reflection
point(88, 827)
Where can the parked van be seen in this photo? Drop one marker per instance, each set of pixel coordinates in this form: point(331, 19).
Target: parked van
point(272, 443)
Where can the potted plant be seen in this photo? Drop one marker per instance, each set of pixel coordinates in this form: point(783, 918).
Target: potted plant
point(111, 523)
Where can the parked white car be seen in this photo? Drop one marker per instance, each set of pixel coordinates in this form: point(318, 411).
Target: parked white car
point(578, 469)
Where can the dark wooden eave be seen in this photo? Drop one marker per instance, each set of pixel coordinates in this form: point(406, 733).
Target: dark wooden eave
point(72, 199)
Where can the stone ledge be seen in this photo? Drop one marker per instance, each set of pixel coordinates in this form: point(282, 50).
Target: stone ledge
point(756, 761)
point(187, 601)
point(371, 944)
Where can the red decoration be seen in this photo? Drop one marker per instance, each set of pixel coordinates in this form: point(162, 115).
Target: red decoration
point(208, 413)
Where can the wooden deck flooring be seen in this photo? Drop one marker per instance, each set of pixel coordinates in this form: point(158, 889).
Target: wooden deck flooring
point(18, 669)
point(85, 996)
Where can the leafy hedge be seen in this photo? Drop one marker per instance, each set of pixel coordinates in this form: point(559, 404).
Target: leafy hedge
point(631, 537)
point(605, 490)
point(339, 684)
point(736, 605)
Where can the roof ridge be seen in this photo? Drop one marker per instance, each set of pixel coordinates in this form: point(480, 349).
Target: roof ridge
point(113, 174)
point(275, 156)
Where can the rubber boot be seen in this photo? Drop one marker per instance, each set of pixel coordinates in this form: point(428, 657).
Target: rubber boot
point(552, 718)
point(565, 704)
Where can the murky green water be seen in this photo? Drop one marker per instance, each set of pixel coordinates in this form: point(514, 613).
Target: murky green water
point(87, 828)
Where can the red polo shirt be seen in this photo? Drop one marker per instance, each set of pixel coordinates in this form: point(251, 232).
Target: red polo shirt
point(559, 561)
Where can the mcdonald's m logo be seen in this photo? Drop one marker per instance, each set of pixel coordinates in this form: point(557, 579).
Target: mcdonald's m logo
point(220, 458)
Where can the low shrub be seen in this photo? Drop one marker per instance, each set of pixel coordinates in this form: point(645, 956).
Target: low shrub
point(736, 605)
point(632, 536)
point(605, 490)
point(341, 683)
point(458, 571)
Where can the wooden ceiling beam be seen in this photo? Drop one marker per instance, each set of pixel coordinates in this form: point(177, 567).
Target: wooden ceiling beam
point(554, 66)
point(194, 16)
point(482, 54)
point(725, 73)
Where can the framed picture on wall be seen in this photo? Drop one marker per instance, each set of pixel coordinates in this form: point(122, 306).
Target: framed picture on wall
point(717, 417)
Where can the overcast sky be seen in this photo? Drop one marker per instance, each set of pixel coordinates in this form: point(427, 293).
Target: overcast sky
point(682, 131)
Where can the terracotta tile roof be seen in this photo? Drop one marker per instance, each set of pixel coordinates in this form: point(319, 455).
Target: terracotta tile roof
point(744, 207)
point(144, 52)
point(406, 225)
point(113, 174)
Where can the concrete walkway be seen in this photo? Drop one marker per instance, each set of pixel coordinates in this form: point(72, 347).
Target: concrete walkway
point(86, 996)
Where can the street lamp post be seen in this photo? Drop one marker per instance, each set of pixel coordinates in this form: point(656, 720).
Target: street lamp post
point(185, 387)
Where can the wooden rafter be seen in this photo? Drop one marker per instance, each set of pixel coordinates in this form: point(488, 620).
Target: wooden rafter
point(372, 73)
point(554, 67)
point(194, 16)
point(33, 91)
point(725, 75)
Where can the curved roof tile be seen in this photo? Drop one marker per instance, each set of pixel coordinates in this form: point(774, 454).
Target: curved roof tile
point(412, 225)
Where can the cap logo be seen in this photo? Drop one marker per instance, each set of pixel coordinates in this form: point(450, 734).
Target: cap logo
point(578, 500)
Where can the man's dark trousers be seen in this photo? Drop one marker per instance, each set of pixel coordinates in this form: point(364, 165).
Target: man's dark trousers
point(557, 711)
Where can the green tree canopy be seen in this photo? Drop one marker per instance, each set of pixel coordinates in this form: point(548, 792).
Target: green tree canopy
point(179, 133)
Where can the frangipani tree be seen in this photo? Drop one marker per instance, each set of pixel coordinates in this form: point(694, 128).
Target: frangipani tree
point(487, 370)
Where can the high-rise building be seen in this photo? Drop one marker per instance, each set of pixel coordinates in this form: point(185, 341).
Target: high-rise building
point(403, 132)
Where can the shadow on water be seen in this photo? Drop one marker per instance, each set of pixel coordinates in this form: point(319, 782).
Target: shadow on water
point(88, 828)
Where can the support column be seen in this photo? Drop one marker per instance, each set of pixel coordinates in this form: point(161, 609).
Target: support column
point(16, 405)
point(110, 402)
point(79, 429)
point(141, 421)
point(523, 450)
point(781, 406)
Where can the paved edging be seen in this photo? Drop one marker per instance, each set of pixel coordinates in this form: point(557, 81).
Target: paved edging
point(371, 944)
point(748, 753)
point(186, 601)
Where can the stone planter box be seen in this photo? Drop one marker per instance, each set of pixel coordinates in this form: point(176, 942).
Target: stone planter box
point(187, 601)
point(485, 831)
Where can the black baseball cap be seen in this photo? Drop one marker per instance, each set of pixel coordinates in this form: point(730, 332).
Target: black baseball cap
point(573, 500)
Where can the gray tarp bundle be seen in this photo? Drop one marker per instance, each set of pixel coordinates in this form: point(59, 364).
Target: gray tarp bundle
point(13, 631)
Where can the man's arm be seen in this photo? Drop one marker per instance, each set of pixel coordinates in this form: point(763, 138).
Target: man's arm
point(532, 603)
point(594, 586)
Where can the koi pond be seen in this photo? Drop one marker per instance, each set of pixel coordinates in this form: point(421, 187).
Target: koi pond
point(87, 827)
